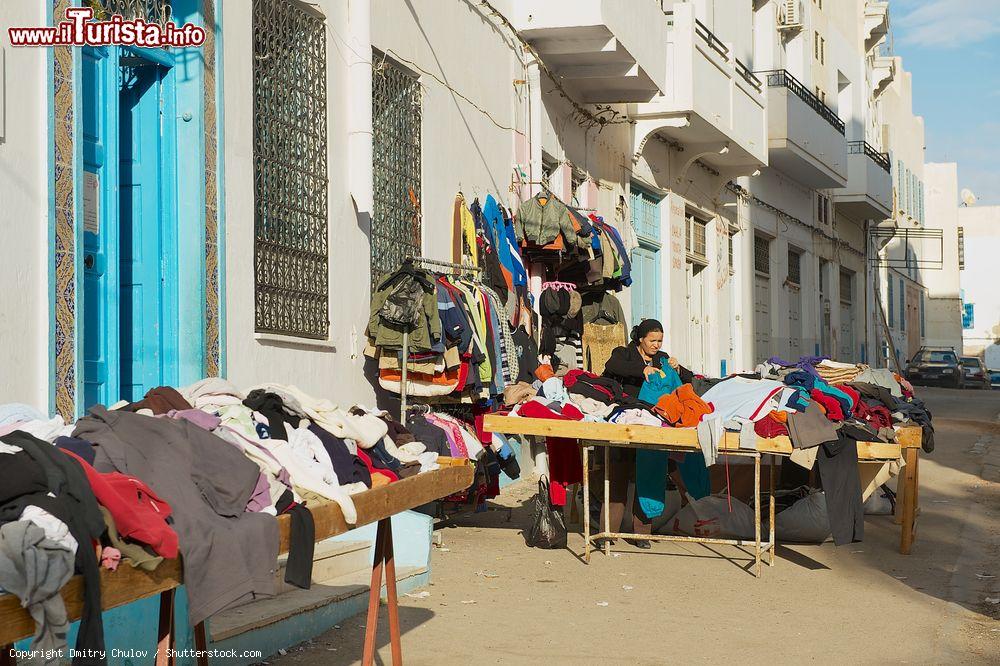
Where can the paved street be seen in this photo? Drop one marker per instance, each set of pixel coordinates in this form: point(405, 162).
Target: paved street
point(493, 600)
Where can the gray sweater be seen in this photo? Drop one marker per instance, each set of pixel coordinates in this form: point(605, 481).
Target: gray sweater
point(228, 556)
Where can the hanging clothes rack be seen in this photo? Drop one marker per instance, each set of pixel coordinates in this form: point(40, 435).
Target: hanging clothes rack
point(447, 266)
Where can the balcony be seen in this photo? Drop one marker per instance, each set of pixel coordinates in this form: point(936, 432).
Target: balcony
point(805, 137)
point(713, 105)
point(606, 51)
point(868, 195)
point(876, 23)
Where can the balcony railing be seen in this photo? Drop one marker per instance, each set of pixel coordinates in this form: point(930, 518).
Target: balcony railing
point(881, 159)
point(749, 76)
point(709, 37)
point(782, 78)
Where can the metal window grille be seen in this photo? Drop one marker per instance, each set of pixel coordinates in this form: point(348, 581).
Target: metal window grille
point(150, 11)
point(645, 214)
point(846, 286)
point(762, 255)
point(794, 267)
point(696, 237)
point(961, 248)
point(396, 166)
point(290, 169)
point(732, 253)
point(902, 306)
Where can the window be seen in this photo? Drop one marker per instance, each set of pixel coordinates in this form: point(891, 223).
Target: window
point(923, 316)
point(961, 248)
point(396, 166)
point(762, 255)
point(732, 252)
point(645, 213)
point(794, 267)
point(291, 277)
point(824, 209)
point(695, 240)
point(821, 94)
point(819, 48)
point(891, 303)
point(908, 187)
point(902, 305)
point(846, 286)
point(900, 188)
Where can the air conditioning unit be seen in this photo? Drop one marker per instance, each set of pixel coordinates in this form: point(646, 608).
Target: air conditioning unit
point(790, 15)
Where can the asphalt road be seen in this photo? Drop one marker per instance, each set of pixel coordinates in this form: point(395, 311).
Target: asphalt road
point(493, 600)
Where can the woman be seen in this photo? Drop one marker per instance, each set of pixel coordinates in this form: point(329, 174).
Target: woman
point(629, 366)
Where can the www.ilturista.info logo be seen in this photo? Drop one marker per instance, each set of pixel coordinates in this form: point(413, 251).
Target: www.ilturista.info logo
point(79, 30)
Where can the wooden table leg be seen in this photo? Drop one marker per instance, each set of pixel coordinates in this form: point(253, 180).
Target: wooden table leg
point(165, 632)
point(586, 504)
point(201, 644)
point(374, 593)
point(756, 514)
point(910, 497)
point(390, 591)
point(770, 468)
point(607, 500)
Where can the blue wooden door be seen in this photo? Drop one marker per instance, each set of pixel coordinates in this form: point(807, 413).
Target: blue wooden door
point(98, 305)
point(129, 305)
point(646, 288)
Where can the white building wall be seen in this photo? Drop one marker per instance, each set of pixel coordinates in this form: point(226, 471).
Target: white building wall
point(981, 225)
point(24, 197)
point(943, 315)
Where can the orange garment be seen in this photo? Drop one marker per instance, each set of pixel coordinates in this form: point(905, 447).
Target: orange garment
point(544, 371)
point(781, 417)
point(450, 376)
point(682, 408)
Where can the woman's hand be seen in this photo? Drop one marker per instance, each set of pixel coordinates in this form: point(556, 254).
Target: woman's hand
point(649, 370)
point(673, 363)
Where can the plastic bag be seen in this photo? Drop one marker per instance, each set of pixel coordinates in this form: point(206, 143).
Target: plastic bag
point(806, 521)
point(710, 517)
point(547, 527)
point(881, 503)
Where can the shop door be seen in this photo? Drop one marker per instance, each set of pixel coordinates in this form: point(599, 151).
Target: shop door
point(761, 318)
point(846, 333)
point(129, 309)
point(794, 323)
point(645, 282)
point(696, 314)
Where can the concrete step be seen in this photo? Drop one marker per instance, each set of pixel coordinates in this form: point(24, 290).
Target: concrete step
point(264, 612)
point(331, 559)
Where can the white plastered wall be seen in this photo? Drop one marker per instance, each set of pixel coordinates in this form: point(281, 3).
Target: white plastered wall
point(24, 202)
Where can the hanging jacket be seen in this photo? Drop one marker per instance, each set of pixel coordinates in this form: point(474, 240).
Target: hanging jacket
point(407, 290)
point(542, 218)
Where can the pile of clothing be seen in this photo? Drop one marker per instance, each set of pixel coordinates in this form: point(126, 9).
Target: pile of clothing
point(823, 420)
point(199, 472)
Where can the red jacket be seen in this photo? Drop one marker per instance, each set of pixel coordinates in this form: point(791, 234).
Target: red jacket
point(138, 513)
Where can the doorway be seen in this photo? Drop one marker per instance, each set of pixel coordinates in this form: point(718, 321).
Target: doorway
point(130, 292)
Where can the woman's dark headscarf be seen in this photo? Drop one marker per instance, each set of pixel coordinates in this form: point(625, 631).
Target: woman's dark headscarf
point(644, 328)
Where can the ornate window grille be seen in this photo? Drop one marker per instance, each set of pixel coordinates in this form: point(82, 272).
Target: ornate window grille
point(150, 11)
point(794, 267)
point(847, 286)
point(762, 255)
point(290, 169)
point(396, 122)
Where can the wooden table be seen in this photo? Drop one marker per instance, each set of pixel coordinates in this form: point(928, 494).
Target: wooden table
point(686, 440)
point(129, 584)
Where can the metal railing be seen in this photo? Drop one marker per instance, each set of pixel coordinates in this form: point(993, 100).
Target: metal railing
point(749, 76)
point(709, 37)
point(782, 78)
point(881, 159)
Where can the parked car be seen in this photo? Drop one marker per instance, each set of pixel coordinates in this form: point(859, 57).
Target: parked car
point(992, 359)
point(935, 366)
point(975, 372)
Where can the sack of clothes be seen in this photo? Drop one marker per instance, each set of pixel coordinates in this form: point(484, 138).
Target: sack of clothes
point(199, 472)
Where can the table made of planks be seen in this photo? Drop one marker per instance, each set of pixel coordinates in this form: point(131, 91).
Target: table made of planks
point(607, 435)
point(377, 505)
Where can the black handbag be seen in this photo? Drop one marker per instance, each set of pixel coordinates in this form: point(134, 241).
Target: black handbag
point(547, 527)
